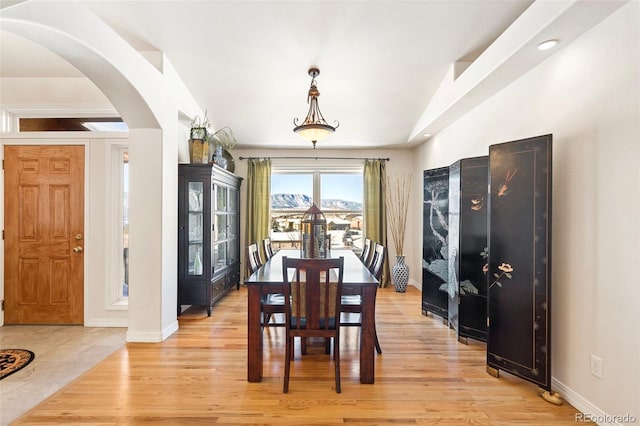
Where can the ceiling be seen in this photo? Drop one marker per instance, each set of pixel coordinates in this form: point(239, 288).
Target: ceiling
point(246, 62)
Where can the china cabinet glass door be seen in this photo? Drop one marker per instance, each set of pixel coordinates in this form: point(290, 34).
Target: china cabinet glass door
point(220, 231)
point(196, 231)
point(234, 225)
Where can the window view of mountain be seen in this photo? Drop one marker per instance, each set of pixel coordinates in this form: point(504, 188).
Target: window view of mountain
point(330, 204)
point(290, 201)
point(301, 201)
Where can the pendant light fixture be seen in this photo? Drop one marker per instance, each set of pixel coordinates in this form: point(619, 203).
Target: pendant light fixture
point(314, 127)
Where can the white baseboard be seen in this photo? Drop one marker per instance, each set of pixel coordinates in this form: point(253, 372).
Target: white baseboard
point(586, 410)
point(415, 284)
point(172, 328)
point(107, 322)
point(152, 336)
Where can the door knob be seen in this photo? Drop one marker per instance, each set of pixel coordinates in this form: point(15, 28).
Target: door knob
point(78, 237)
point(77, 249)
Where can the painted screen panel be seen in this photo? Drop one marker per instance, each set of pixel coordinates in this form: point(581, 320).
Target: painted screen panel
point(519, 293)
point(435, 250)
point(472, 287)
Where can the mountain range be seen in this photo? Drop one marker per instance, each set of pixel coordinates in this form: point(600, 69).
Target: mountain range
point(301, 201)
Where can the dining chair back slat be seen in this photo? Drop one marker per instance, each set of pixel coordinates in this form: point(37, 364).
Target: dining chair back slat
point(268, 248)
point(366, 251)
point(253, 257)
point(377, 261)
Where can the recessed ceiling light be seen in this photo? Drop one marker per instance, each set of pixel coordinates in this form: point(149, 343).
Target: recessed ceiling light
point(427, 135)
point(548, 44)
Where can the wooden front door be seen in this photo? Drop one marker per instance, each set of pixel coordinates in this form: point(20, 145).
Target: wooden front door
point(44, 234)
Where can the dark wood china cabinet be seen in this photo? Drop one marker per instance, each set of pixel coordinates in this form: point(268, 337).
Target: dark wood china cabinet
point(208, 234)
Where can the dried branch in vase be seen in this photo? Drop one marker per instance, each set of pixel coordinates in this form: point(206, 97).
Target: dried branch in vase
point(397, 201)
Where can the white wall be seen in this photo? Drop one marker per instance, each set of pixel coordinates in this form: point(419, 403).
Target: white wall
point(50, 97)
point(60, 94)
point(586, 95)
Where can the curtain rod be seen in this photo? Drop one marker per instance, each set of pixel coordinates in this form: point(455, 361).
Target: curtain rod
point(313, 158)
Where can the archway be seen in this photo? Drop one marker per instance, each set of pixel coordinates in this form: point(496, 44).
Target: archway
point(144, 97)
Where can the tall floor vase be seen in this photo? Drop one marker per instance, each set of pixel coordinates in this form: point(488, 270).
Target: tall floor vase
point(400, 274)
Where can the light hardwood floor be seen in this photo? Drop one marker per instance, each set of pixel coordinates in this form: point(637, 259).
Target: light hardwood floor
point(198, 376)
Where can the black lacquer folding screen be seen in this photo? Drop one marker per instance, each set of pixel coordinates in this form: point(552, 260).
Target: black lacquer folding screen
point(519, 263)
point(467, 284)
point(435, 249)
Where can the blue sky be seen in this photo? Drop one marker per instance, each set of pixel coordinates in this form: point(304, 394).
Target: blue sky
point(342, 187)
point(292, 184)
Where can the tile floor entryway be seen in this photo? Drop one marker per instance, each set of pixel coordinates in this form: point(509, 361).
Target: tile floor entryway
point(63, 353)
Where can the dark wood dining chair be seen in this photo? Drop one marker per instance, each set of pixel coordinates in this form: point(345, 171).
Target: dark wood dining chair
point(272, 303)
point(366, 251)
point(377, 260)
point(268, 248)
point(352, 302)
point(253, 257)
point(372, 256)
point(312, 305)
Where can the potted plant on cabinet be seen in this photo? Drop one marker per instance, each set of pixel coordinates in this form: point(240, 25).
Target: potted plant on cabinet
point(207, 146)
point(198, 141)
point(397, 201)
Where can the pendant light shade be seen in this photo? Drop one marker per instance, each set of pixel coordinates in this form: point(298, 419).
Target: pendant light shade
point(314, 127)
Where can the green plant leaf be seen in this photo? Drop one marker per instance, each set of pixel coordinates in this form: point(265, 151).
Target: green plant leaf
point(498, 284)
point(496, 275)
point(507, 274)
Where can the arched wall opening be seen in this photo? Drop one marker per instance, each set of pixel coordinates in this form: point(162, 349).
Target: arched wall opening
point(146, 99)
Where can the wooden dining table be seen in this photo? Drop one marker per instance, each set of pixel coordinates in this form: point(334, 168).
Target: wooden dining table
point(357, 279)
